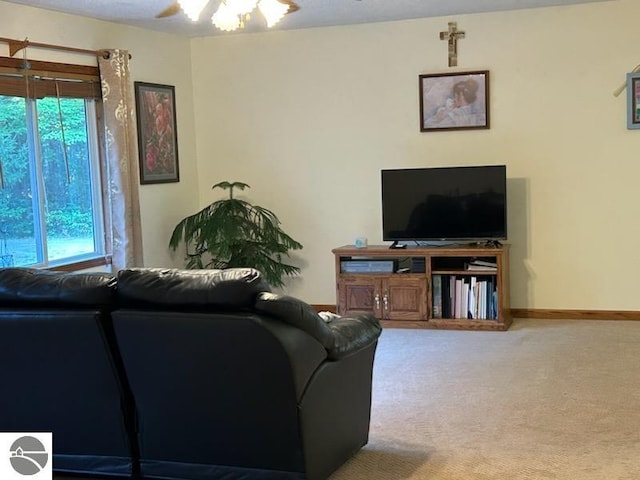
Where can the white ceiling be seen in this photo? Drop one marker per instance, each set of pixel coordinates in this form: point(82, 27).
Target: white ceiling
point(312, 13)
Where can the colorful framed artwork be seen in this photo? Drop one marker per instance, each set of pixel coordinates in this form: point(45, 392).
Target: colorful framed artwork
point(157, 133)
point(633, 101)
point(454, 101)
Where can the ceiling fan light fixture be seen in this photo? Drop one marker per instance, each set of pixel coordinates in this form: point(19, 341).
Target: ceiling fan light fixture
point(273, 11)
point(225, 18)
point(193, 8)
point(241, 7)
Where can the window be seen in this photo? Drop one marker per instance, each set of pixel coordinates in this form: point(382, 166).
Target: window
point(51, 211)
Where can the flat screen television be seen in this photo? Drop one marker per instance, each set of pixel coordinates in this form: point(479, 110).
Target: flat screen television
point(445, 203)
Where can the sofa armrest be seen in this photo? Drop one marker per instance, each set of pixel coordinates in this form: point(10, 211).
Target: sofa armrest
point(341, 336)
point(297, 313)
point(352, 334)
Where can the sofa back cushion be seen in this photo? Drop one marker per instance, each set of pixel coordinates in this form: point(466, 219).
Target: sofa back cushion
point(232, 288)
point(33, 287)
point(216, 389)
point(60, 369)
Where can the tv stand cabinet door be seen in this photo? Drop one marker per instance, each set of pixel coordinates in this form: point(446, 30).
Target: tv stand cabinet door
point(359, 293)
point(404, 298)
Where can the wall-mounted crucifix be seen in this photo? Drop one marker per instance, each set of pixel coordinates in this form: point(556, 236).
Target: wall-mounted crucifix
point(452, 36)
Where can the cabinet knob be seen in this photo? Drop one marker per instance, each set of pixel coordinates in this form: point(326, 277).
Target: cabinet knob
point(376, 299)
point(385, 299)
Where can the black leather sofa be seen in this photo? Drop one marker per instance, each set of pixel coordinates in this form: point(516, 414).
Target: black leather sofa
point(182, 374)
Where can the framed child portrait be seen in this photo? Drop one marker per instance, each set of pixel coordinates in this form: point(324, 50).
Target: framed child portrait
point(454, 101)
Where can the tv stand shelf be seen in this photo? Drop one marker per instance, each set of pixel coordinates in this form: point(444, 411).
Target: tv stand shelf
point(406, 287)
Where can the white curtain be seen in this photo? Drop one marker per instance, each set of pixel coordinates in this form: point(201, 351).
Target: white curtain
point(124, 236)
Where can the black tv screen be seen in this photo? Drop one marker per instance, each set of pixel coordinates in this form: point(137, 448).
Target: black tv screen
point(445, 203)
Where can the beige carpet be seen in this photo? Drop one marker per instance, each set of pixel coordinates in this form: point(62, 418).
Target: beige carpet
point(547, 399)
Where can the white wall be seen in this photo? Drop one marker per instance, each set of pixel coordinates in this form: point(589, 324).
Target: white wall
point(308, 118)
point(156, 58)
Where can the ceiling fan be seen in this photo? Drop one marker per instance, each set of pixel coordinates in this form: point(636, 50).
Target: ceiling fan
point(231, 14)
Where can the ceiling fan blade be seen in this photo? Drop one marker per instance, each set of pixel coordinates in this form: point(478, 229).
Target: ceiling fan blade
point(169, 11)
point(293, 6)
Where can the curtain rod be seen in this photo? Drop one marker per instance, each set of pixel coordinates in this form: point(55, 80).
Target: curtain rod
point(16, 45)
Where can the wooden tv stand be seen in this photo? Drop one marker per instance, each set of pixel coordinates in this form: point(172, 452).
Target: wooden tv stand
point(397, 285)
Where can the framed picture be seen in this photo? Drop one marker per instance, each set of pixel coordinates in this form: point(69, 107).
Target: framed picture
point(454, 101)
point(157, 134)
point(633, 101)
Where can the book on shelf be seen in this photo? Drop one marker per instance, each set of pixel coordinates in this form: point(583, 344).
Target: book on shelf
point(457, 313)
point(480, 268)
point(437, 296)
point(464, 297)
point(446, 297)
point(464, 301)
point(482, 310)
point(473, 298)
point(452, 296)
point(484, 263)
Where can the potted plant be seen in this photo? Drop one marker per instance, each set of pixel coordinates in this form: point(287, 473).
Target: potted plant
point(231, 232)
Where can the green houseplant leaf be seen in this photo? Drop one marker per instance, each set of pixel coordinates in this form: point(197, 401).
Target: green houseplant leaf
point(235, 233)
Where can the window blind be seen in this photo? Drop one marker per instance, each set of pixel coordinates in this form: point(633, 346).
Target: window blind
point(47, 79)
